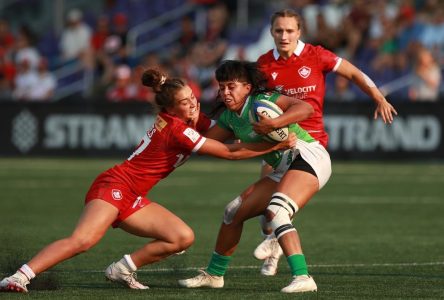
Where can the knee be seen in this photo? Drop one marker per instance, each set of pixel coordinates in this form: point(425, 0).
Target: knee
point(231, 210)
point(83, 243)
point(279, 213)
point(183, 240)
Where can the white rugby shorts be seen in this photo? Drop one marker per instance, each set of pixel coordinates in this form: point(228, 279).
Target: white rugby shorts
point(314, 154)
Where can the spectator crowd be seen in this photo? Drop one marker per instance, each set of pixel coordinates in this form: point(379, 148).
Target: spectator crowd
point(399, 43)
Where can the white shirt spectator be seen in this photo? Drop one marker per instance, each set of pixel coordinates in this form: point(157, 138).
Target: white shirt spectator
point(44, 89)
point(427, 77)
point(24, 84)
point(76, 37)
point(30, 54)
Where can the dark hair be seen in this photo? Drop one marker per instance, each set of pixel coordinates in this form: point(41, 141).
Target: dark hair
point(164, 87)
point(288, 13)
point(242, 71)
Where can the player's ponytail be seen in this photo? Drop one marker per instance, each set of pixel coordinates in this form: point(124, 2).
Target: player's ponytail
point(154, 79)
point(164, 87)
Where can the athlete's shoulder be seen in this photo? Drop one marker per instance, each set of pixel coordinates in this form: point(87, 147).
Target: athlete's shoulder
point(169, 125)
point(179, 133)
point(164, 121)
point(318, 49)
point(204, 123)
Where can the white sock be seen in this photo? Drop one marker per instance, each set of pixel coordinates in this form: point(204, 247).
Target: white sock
point(27, 271)
point(128, 262)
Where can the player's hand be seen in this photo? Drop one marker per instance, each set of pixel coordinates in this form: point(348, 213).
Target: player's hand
point(386, 111)
point(288, 143)
point(264, 126)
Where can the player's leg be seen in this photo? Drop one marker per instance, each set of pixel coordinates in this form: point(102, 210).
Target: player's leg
point(170, 233)
point(170, 236)
point(295, 190)
point(308, 173)
point(269, 249)
point(96, 218)
point(251, 203)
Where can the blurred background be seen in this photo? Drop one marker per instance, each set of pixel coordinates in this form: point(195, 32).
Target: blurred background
point(70, 70)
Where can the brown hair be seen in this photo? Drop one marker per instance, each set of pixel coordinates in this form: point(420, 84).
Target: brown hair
point(164, 87)
point(286, 13)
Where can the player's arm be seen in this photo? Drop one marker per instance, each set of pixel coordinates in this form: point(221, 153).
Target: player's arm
point(243, 150)
point(383, 107)
point(218, 133)
point(295, 110)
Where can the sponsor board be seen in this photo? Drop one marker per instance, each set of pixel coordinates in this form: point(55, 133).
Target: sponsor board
point(48, 129)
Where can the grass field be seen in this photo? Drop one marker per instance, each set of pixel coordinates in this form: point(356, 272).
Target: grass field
point(375, 231)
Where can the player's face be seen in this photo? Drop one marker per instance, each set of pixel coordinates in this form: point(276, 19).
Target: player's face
point(185, 105)
point(286, 33)
point(234, 94)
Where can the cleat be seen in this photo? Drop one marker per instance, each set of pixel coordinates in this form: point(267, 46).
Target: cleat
point(203, 280)
point(270, 266)
point(300, 284)
point(14, 283)
point(267, 248)
point(117, 272)
point(270, 251)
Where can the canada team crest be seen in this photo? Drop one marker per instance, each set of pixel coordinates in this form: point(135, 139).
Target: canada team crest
point(304, 71)
point(117, 194)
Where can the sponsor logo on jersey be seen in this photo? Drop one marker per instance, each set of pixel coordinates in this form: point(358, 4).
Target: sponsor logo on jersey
point(160, 123)
point(304, 71)
point(301, 89)
point(117, 194)
point(274, 75)
point(191, 134)
point(302, 92)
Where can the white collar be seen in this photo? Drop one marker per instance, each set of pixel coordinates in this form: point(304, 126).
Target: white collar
point(245, 106)
point(299, 47)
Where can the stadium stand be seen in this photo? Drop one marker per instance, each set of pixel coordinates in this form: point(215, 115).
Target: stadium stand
point(383, 44)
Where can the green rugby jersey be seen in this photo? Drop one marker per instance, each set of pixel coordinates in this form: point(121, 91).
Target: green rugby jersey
point(241, 127)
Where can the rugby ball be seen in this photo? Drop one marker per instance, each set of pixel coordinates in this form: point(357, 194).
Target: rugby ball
point(269, 110)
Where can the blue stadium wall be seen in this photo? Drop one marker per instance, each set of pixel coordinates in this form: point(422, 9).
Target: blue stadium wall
point(103, 129)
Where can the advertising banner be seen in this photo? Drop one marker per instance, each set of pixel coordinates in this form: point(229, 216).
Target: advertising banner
point(73, 130)
point(57, 129)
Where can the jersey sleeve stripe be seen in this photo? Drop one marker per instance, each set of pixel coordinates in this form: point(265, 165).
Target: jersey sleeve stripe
point(337, 64)
point(199, 144)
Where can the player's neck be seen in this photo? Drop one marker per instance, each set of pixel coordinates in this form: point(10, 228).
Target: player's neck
point(286, 55)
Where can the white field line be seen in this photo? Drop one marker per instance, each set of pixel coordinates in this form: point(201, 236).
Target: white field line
point(159, 270)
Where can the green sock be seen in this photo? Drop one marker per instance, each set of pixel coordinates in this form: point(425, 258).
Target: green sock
point(218, 264)
point(297, 263)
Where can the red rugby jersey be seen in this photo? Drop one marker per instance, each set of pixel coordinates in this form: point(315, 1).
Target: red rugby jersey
point(166, 146)
point(302, 76)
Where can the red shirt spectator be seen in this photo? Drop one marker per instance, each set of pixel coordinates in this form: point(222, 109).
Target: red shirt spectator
point(7, 39)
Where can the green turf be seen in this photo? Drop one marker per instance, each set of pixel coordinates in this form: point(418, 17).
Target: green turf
point(375, 231)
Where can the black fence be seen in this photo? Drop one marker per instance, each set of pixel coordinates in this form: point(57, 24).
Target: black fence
point(85, 129)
